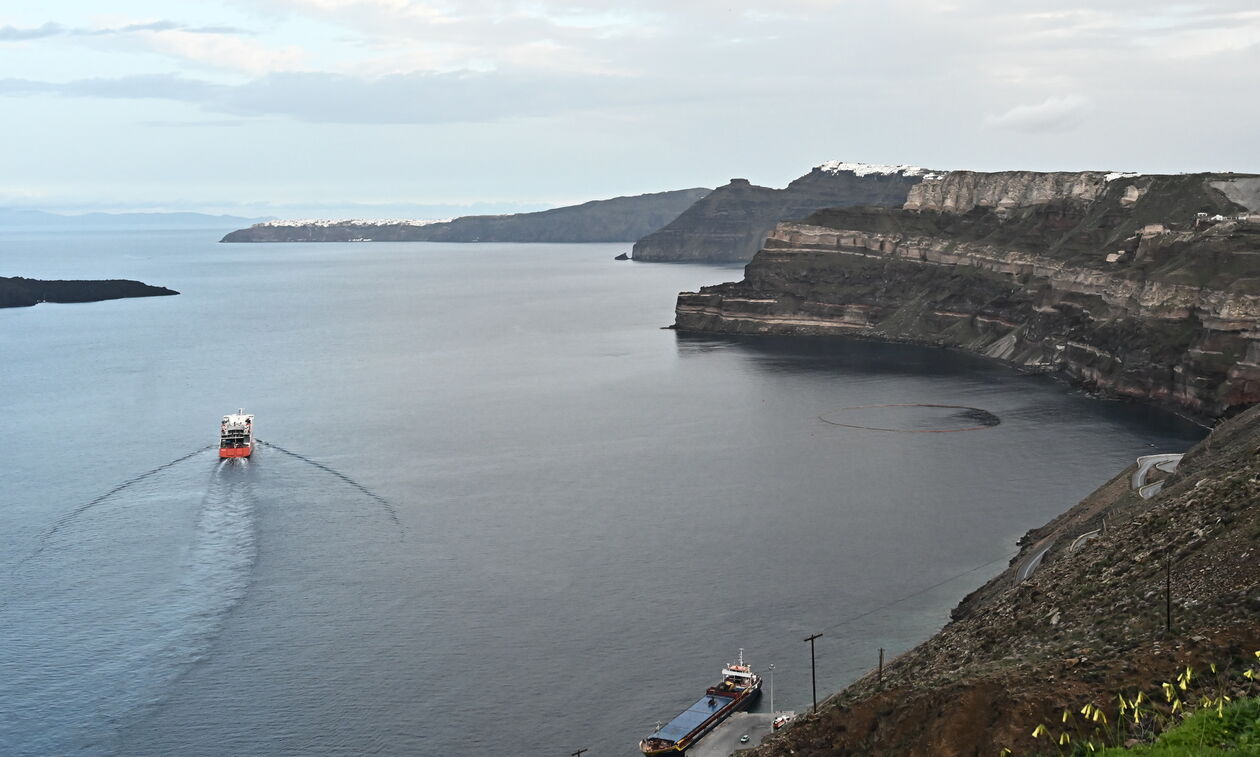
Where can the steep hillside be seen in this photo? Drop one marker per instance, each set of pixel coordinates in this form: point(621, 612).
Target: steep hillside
point(1143, 286)
point(731, 223)
point(621, 219)
point(1084, 625)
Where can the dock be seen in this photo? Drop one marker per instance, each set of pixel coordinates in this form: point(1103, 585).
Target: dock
point(723, 741)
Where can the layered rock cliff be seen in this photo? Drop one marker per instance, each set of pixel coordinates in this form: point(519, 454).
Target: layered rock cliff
point(621, 219)
point(1079, 616)
point(1143, 286)
point(20, 292)
point(731, 223)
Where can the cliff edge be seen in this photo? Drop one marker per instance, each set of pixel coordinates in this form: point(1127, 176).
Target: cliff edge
point(1141, 286)
point(731, 223)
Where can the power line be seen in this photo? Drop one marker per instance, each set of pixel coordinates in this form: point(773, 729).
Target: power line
point(920, 592)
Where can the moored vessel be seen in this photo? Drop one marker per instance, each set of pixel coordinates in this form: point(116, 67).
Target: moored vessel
point(236, 435)
point(739, 687)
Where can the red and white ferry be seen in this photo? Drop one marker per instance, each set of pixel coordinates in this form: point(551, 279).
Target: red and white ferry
point(236, 435)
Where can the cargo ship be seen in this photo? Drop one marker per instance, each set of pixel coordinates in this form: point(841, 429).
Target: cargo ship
point(236, 435)
point(738, 688)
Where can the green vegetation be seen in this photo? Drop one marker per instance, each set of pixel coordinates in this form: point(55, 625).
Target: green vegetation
point(1233, 730)
point(1194, 716)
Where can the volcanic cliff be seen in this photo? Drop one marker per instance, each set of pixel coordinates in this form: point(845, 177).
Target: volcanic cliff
point(731, 223)
point(1142, 286)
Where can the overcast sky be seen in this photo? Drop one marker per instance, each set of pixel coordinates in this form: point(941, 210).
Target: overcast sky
point(412, 107)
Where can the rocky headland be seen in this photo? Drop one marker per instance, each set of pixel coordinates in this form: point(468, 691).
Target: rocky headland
point(1081, 616)
point(731, 223)
point(20, 292)
point(621, 219)
point(1139, 286)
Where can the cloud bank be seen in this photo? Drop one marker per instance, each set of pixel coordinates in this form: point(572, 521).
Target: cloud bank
point(1061, 113)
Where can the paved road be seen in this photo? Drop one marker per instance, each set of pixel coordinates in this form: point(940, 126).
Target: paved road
point(1031, 563)
point(724, 740)
point(1080, 540)
point(1166, 463)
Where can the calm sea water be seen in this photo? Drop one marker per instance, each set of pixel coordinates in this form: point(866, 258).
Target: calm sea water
point(578, 516)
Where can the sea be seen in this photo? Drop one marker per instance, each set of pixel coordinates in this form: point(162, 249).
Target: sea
point(498, 507)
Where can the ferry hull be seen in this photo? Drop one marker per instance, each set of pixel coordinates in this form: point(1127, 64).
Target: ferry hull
point(236, 452)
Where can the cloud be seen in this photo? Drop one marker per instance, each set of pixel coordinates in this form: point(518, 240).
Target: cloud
point(215, 46)
point(427, 98)
point(152, 26)
point(1052, 114)
point(417, 98)
point(14, 34)
point(138, 87)
point(51, 29)
point(217, 123)
point(161, 26)
point(223, 51)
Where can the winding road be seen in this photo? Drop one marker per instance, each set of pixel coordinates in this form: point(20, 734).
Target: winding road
point(1166, 463)
point(1031, 563)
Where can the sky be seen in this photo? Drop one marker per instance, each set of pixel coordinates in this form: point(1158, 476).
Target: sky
point(425, 108)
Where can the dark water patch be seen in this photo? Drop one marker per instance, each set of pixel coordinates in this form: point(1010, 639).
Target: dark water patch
point(894, 417)
point(977, 416)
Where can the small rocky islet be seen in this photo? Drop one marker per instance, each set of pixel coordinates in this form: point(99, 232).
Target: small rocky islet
point(18, 292)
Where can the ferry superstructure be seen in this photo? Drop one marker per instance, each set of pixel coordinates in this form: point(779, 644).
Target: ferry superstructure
point(236, 435)
point(738, 688)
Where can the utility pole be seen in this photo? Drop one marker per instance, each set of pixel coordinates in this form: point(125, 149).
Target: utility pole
point(772, 688)
point(880, 675)
point(813, 672)
point(578, 753)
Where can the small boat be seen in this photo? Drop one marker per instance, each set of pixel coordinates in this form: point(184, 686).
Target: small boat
point(739, 686)
point(236, 435)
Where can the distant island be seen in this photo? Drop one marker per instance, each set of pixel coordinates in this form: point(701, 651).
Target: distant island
point(16, 292)
point(620, 219)
point(25, 218)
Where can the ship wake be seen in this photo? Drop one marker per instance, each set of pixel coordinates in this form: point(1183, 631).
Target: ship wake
point(390, 510)
point(65, 520)
point(100, 667)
